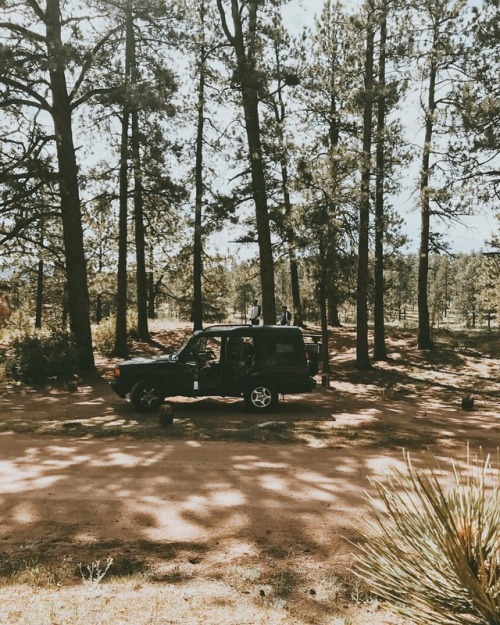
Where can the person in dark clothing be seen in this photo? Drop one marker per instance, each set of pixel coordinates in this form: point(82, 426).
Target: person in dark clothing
point(255, 313)
point(286, 317)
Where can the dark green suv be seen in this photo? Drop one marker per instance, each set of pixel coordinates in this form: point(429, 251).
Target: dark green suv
point(256, 362)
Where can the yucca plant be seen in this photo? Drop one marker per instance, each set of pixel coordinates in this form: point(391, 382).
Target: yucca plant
point(431, 548)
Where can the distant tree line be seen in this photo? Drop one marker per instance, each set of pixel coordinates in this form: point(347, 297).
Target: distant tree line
point(140, 139)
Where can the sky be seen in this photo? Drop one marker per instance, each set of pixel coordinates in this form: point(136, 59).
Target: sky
point(469, 236)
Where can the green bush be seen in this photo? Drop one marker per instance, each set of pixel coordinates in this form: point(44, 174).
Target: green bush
point(433, 552)
point(104, 333)
point(37, 357)
point(19, 324)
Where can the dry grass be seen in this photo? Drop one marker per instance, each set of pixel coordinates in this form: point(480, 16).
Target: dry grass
point(237, 595)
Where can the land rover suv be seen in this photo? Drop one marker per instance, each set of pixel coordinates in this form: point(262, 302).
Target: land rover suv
point(256, 362)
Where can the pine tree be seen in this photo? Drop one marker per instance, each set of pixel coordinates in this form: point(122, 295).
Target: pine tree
point(36, 53)
point(362, 357)
point(441, 50)
point(245, 40)
point(477, 148)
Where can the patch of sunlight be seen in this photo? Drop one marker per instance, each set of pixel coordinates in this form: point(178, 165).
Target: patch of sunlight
point(273, 483)
point(25, 513)
point(86, 538)
point(28, 481)
point(91, 402)
point(229, 498)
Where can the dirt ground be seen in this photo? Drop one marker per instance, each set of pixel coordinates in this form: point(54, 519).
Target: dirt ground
point(83, 477)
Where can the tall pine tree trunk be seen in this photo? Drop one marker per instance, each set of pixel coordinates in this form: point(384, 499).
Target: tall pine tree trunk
point(39, 294)
point(279, 115)
point(121, 346)
point(248, 85)
point(323, 308)
point(379, 347)
point(152, 314)
point(76, 268)
point(197, 310)
point(424, 328)
point(333, 308)
point(140, 239)
point(334, 139)
point(266, 262)
point(362, 357)
point(292, 257)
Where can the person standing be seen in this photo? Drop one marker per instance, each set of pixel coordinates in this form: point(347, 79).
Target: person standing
point(255, 313)
point(286, 317)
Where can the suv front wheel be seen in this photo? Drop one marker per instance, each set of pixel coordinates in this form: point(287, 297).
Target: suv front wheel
point(146, 396)
point(261, 396)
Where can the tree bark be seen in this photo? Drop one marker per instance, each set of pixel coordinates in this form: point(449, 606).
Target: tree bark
point(379, 346)
point(292, 257)
point(424, 328)
point(325, 356)
point(121, 333)
point(248, 85)
point(197, 310)
point(333, 310)
point(135, 144)
point(39, 294)
point(140, 238)
point(76, 269)
point(121, 348)
point(362, 357)
point(279, 115)
point(152, 292)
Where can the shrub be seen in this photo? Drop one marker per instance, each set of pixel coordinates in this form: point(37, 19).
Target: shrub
point(18, 325)
point(434, 553)
point(37, 357)
point(104, 336)
point(104, 333)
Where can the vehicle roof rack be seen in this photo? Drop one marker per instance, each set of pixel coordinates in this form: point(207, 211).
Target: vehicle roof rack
point(223, 326)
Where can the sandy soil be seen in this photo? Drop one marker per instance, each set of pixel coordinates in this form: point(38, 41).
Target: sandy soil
point(152, 499)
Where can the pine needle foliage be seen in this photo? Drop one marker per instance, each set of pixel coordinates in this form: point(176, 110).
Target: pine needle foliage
point(431, 549)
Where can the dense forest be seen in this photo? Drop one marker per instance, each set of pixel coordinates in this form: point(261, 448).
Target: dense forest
point(141, 140)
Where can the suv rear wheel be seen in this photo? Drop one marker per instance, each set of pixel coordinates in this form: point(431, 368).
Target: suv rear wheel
point(261, 397)
point(146, 396)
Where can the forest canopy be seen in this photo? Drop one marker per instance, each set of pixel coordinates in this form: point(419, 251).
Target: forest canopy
point(183, 158)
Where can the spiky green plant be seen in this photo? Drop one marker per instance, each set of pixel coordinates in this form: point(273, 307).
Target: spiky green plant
point(432, 545)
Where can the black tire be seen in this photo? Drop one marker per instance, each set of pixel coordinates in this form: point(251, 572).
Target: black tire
point(261, 397)
point(146, 396)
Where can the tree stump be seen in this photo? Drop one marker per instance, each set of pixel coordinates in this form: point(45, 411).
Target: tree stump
point(166, 415)
point(468, 401)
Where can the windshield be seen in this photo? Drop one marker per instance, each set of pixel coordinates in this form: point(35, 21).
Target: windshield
point(188, 349)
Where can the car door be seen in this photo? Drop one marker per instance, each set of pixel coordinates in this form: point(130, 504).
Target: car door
point(236, 364)
point(188, 368)
point(282, 359)
point(209, 359)
point(199, 369)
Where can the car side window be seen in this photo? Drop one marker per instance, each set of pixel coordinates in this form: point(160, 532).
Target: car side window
point(240, 350)
point(282, 353)
point(190, 352)
point(212, 348)
point(233, 349)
